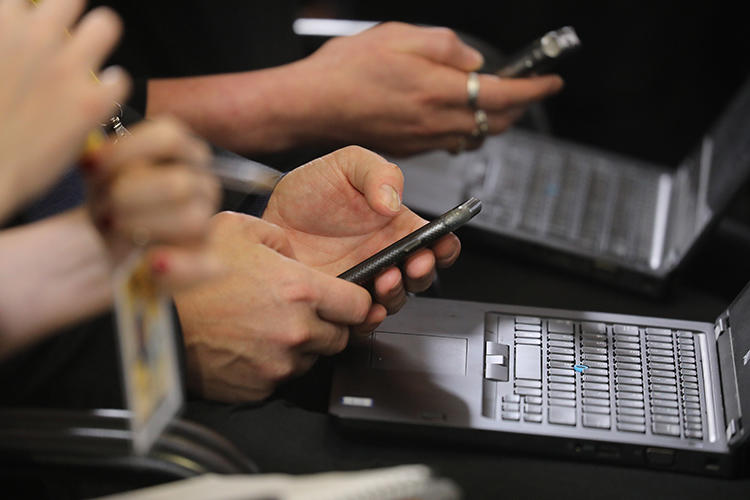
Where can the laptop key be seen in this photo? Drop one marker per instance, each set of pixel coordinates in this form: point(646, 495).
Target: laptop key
point(530, 417)
point(529, 320)
point(533, 400)
point(661, 373)
point(528, 362)
point(511, 398)
point(627, 352)
point(593, 357)
point(623, 426)
point(669, 419)
point(561, 364)
point(596, 409)
point(662, 410)
point(562, 372)
point(562, 350)
point(511, 415)
point(627, 359)
point(596, 420)
point(624, 410)
point(628, 345)
point(637, 381)
point(595, 402)
point(664, 380)
point(535, 384)
point(596, 371)
point(663, 388)
point(590, 327)
point(561, 357)
point(565, 379)
point(631, 419)
point(659, 331)
point(590, 377)
point(694, 426)
point(561, 343)
point(595, 394)
point(511, 407)
point(661, 359)
point(629, 395)
point(693, 434)
point(562, 402)
point(595, 386)
point(628, 403)
point(625, 329)
point(597, 364)
point(628, 373)
point(527, 391)
point(594, 343)
point(557, 386)
point(528, 328)
point(561, 415)
point(665, 404)
point(560, 326)
point(665, 429)
point(528, 341)
point(562, 395)
point(560, 337)
point(593, 350)
point(628, 366)
point(527, 408)
point(651, 344)
point(528, 335)
point(670, 396)
point(658, 352)
point(628, 388)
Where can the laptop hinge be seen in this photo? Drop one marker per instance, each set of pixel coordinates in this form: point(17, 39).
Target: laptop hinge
point(730, 398)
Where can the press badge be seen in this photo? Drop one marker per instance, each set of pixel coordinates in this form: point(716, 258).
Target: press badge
point(148, 352)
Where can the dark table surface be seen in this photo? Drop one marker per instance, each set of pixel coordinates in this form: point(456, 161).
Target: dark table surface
point(292, 433)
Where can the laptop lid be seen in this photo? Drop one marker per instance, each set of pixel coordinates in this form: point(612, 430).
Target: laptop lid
point(710, 177)
point(733, 346)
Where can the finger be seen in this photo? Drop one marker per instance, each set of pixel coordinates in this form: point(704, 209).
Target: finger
point(176, 224)
point(375, 316)
point(160, 140)
point(268, 234)
point(442, 46)
point(446, 250)
point(496, 94)
point(389, 290)
point(340, 301)
point(95, 37)
point(419, 270)
point(147, 187)
point(176, 268)
point(328, 338)
point(380, 181)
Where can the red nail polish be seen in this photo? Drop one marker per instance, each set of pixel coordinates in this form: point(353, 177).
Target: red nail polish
point(160, 265)
point(89, 164)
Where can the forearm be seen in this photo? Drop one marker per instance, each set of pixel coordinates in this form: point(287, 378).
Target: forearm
point(251, 112)
point(52, 274)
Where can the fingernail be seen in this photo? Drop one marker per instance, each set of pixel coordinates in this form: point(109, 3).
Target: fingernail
point(390, 197)
point(112, 75)
point(160, 265)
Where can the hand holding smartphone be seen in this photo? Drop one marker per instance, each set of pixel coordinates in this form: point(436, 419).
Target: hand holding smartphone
point(364, 272)
point(543, 54)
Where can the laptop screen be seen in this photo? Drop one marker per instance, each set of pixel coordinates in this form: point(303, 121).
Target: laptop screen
point(729, 141)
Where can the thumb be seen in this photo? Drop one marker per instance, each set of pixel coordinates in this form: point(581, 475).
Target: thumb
point(380, 181)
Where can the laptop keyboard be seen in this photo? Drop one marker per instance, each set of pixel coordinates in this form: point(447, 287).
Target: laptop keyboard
point(574, 196)
point(606, 376)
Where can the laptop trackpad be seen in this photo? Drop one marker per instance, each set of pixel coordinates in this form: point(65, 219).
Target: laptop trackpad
point(419, 353)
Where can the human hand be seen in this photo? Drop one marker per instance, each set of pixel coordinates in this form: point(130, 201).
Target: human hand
point(342, 208)
point(401, 89)
point(267, 319)
point(154, 186)
point(49, 100)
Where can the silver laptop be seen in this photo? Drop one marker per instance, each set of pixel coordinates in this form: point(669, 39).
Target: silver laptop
point(587, 208)
point(631, 389)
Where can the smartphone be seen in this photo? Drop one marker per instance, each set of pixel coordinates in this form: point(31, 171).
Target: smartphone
point(542, 54)
point(364, 273)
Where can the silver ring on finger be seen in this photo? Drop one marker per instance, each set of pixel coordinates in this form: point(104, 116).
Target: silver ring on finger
point(482, 127)
point(472, 90)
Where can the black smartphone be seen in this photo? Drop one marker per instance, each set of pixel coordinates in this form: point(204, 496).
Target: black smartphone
point(542, 54)
point(364, 272)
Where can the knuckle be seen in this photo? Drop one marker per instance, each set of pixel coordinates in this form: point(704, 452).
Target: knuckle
point(279, 370)
point(298, 335)
point(293, 290)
